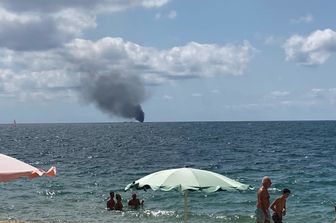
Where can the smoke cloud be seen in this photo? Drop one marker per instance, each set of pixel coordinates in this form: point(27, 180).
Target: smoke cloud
point(115, 93)
point(112, 73)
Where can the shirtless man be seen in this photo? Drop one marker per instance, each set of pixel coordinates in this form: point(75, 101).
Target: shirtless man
point(135, 202)
point(263, 201)
point(110, 203)
point(279, 206)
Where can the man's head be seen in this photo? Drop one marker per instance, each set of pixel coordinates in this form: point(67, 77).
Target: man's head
point(118, 196)
point(134, 196)
point(266, 182)
point(111, 194)
point(286, 192)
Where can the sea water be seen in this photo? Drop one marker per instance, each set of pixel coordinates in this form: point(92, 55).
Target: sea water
point(93, 159)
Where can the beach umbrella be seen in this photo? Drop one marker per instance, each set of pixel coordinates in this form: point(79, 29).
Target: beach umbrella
point(11, 169)
point(184, 180)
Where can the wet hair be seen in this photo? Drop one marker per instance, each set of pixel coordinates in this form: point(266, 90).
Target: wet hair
point(285, 191)
point(111, 193)
point(118, 196)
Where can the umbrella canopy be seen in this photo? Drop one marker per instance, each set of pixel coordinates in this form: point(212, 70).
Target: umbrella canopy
point(187, 179)
point(11, 169)
point(183, 179)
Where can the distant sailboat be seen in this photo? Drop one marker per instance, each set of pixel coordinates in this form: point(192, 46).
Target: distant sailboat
point(14, 123)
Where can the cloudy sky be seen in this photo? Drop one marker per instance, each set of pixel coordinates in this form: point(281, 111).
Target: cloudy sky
point(174, 60)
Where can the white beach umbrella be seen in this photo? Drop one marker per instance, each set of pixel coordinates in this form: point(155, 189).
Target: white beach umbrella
point(11, 169)
point(187, 179)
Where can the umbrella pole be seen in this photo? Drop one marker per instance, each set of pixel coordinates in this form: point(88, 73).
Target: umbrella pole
point(186, 206)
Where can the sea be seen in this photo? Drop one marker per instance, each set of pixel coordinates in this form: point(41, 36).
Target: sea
point(93, 159)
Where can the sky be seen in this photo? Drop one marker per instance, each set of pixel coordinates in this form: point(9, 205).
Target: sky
point(71, 61)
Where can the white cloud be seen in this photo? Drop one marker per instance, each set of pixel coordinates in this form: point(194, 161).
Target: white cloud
point(298, 105)
point(43, 55)
point(198, 60)
point(170, 15)
point(314, 49)
point(29, 31)
point(303, 19)
point(42, 25)
point(42, 6)
point(273, 40)
point(36, 73)
point(44, 85)
point(314, 97)
point(328, 94)
point(154, 3)
point(61, 69)
point(277, 94)
point(167, 97)
point(190, 61)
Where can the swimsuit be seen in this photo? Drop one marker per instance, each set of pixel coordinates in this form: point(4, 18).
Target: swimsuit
point(276, 218)
point(261, 215)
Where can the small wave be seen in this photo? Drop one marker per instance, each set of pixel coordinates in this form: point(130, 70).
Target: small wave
point(152, 214)
point(159, 213)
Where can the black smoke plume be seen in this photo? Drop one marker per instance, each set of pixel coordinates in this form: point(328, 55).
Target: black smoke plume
point(115, 94)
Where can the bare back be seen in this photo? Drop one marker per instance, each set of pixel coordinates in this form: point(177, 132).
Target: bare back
point(134, 202)
point(279, 205)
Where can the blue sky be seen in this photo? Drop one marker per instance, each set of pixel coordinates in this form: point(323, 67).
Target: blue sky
point(180, 60)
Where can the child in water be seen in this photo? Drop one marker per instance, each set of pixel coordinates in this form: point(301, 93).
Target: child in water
point(279, 206)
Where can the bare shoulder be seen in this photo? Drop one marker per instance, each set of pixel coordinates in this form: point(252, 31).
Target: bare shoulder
point(262, 192)
point(277, 200)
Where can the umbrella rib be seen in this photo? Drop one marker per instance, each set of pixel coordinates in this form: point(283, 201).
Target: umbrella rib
point(196, 179)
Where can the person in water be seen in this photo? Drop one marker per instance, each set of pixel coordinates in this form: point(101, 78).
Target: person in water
point(134, 202)
point(263, 201)
point(118, 206)
point(111, 203)
point(279, 206)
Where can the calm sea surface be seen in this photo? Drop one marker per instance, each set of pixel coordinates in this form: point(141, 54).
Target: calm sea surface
point(93, 159)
